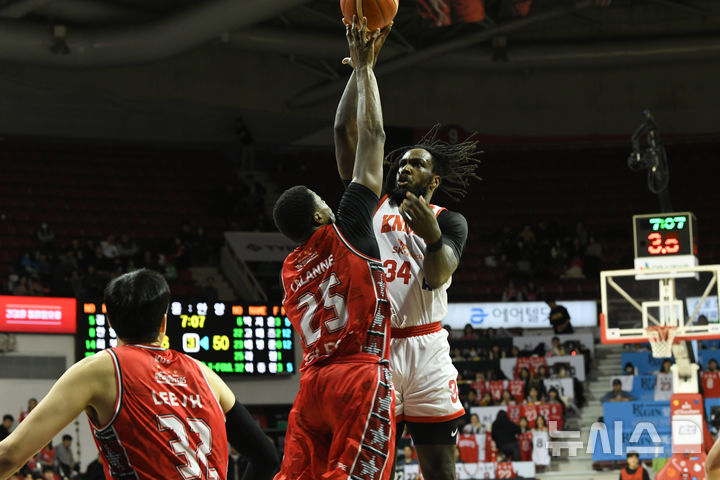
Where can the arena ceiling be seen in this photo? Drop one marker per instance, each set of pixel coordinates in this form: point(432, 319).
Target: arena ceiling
point(558, 34)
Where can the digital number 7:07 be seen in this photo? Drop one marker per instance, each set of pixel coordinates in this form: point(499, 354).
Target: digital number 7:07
point(193, 321)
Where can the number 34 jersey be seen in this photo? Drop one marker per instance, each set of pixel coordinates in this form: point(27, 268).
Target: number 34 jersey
point(335, 297)
point(167, 423)
point(403, 252)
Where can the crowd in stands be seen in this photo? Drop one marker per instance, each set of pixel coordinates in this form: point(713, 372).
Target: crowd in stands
point(81, 267)
point(534, 255)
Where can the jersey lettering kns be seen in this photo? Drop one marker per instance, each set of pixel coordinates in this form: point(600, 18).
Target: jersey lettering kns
point(335, 298)
point(403, 253)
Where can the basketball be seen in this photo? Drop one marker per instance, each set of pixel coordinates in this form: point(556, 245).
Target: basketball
point(379, 13)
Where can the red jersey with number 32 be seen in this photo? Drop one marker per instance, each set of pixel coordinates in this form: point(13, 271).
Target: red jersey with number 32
point(403, 254)
point(335, 298)
point(167, 423)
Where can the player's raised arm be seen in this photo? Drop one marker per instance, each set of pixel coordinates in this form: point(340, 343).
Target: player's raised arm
point(367, 170)
point(84, 384)
point(345, 127)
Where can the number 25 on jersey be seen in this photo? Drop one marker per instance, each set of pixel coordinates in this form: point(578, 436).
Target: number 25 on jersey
point(332, 314)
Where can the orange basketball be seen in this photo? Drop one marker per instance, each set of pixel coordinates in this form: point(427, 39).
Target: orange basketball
point(379, 13)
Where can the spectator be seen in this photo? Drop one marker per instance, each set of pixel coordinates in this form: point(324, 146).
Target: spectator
point(630, 471)
point(540, 424)
point(32, 403)
point(407, 457)
point(21, 288)
point(617, 394)
point(511, 293)
point(127, 247)
point(486, 400)
point(94, 282)
point(712, 365)
point(542, 373)
point(64, 456)
point(109, 248)
point(474, 426)
point(629, 369)
point(45, 235)
point(469, 333)
point(533, 397)
point(48, 473)
point(557, 349)
point(530, 292)
point(553, 397)
point(507, 398)
point(457, 355)
point(209, 292)
point(95, 470)
point(559, 318)
point(505, 433)
point(472, 400)
point(47, 455)
point(7, 423)
point(523, 424)
point(665, 367)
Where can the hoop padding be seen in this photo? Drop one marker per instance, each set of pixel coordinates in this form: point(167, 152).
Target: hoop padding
point(661, 339)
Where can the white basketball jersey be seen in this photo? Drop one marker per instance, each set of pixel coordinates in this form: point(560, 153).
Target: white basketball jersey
point(403, 252)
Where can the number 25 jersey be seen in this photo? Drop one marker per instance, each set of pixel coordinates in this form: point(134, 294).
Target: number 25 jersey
point(335, 297)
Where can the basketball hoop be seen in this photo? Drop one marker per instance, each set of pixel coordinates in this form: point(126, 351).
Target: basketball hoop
point(661, 339)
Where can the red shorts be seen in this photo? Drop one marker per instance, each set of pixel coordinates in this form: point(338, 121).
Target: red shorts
point(342, 424)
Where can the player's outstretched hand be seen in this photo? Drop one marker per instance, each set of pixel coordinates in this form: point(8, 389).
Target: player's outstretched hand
point(361, 43)
point(379, 42)
point(420, 217)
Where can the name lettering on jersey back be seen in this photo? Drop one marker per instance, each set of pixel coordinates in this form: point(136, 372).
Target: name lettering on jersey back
point(319, 268)
point(169, 398)
point(393, 223)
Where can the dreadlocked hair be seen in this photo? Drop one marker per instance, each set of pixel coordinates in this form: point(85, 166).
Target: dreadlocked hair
point(454, 163)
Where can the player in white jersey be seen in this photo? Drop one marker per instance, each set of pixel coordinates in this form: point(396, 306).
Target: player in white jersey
point(420, 245)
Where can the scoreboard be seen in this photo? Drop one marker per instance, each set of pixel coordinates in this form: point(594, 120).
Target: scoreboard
point(232, 339)
point(665, 240)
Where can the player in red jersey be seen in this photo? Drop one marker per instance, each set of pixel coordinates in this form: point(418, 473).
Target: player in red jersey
point(154, 413)
point(341, 424)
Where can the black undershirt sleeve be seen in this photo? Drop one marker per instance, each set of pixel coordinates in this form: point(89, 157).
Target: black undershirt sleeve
point(249, 439)
point(454, 229)
point(354, 218)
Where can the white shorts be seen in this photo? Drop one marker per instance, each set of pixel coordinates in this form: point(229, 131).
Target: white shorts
point(425, 379)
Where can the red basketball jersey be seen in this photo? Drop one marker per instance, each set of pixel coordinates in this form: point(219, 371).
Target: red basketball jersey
point(517, 390)
point(711, 384)
point(335, 298)
point(526, 443)
point(469, 447)
point(496, 388)
point(504, 470)
point(167, 423)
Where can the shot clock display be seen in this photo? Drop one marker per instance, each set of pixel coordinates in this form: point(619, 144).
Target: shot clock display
point(228, 338)
point(672, 236)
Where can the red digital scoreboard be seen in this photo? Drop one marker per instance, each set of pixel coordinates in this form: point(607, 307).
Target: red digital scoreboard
point(37, 314)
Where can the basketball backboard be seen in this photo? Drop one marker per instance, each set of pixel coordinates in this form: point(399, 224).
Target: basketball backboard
point(635, 308)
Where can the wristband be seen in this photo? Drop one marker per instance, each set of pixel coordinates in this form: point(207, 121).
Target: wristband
point(434, 247)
